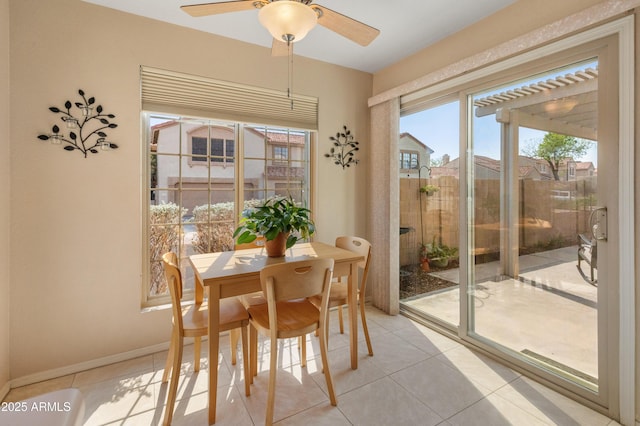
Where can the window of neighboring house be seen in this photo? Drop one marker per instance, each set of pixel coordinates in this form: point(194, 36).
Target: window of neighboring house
point(280, 153)
point(222, 150)
point(409, 160)
point(196, 209)
point(572, 170)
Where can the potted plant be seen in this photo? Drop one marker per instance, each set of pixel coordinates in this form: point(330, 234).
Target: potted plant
point(429, 189)
point(280, 220)
point(440, 254)
point(424, 258)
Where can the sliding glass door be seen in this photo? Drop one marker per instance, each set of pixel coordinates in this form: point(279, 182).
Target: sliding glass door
point(537, 260)
point(532, 229)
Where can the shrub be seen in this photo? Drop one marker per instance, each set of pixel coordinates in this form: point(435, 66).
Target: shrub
point(215, 225)
point(164, 236)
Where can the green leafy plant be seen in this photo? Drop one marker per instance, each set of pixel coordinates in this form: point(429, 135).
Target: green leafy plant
point(429, 189)
point(276, 215)
point(440, 251)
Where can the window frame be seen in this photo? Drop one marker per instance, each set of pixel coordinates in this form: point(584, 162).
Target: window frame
point(236, 159)
point(411, 155)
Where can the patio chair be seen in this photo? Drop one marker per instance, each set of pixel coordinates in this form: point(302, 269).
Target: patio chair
point(588, 253)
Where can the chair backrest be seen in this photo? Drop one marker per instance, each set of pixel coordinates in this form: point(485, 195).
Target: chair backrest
point(296, 280)
point(362, 247)
point(174, 282)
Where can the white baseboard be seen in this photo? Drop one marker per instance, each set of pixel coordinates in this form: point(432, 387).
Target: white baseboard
point(4, 390)
point(82, 366)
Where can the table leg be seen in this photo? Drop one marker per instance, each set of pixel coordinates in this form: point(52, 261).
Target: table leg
point(214, 346)
point(199, 290)
point(352, 290)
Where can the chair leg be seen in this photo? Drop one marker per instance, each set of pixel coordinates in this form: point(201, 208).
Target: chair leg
point(196, 353)
point(340, 319)
point(233, 338)
point(365, 329)
point(173, 385)
point(169, 362)
point(248, 378)
point(302, 343)
point(253, 352)
point(325, 363)
point(273, 365)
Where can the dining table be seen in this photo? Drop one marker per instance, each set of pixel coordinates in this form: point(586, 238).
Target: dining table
point(234, 273)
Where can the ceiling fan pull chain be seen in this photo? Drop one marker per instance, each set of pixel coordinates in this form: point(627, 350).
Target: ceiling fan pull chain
point(290, 74)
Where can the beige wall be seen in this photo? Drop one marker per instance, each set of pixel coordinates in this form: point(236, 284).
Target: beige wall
point(515, 20)
point(4, 196)
point(76, 254)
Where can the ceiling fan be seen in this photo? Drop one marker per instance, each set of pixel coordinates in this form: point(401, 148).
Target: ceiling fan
point(290, 21)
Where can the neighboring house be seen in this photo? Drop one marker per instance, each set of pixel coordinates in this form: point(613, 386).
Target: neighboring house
point(280, 151)
point(581, 170)
point(585, 169)
point(413, 155)
point(528, 168)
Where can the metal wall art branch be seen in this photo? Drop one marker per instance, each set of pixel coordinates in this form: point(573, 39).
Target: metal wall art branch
point(344, 148)
point(86, 132)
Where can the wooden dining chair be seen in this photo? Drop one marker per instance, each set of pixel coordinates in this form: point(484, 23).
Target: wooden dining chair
point(255, 298)
point(338, 296)
point(288, 313)
point(193, 321)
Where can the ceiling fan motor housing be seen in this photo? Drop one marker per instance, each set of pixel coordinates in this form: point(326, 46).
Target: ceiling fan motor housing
point(288, 20)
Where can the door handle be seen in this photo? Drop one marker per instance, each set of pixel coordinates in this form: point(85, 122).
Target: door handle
point(598, 223)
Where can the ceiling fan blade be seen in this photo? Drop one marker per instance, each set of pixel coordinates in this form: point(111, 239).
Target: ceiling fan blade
point(347, 27)
point(280, 48)
point(207, 9)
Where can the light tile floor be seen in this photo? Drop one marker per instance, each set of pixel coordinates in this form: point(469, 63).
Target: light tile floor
point(416, 376)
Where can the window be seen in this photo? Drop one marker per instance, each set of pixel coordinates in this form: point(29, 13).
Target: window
point(280, 154)
point(194, 192)
point(221, 150)
point(195, 209)
point(408, 160)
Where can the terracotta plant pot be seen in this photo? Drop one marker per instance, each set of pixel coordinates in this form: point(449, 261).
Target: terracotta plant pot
point(425, 265)
point(278, 246)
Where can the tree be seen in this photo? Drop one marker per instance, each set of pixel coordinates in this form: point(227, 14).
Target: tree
point(556, 148)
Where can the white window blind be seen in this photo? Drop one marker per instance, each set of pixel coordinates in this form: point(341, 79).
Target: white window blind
point(178, 93)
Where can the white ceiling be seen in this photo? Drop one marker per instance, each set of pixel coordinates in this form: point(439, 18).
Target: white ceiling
point(406, 26)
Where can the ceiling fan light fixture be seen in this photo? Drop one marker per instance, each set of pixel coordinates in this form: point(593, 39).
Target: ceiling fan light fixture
point(287, 20)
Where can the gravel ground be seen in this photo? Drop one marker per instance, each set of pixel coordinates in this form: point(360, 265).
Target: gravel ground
point(415, 281)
